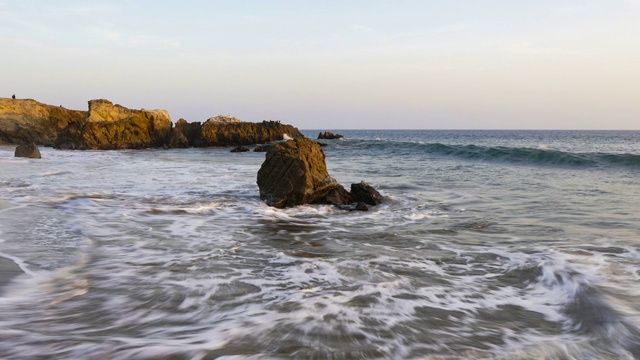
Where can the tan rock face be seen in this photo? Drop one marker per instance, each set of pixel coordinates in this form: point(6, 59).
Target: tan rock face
point(295, 173)
point(110, 126)
point(27, 120)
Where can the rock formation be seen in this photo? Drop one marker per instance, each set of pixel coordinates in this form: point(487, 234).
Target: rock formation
point(29, 150)
point(329, 136)
point(224, 119)
point(109, 127)
point(295, 173)
point(216, 133)
point(365, 193)
point(25, 120)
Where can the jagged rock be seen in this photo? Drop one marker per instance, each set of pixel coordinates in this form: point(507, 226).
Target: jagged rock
point(295, 173)
point(186, 135)
point(108, 126)
point(224, 119)
point(329, 136)
point(246, 133)
point(26, 120)
point(241, 148)
point(363, 192)
point(29, 150)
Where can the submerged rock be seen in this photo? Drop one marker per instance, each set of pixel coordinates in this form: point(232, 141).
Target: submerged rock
point(241, 148)
point(295, 173)
point(25, 120)
point(29, 150)
point(108, 126)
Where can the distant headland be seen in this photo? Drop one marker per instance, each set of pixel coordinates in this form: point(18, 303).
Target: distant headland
point(108, 126)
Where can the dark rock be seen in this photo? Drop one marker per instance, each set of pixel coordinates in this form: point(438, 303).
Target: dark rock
point(29, 150)
point(262, 148)
point(295, 173)
point(25, 120)
point(186, 135)
point(363, 192)
point(240, 148)
point(329, 136)
point(322, 144)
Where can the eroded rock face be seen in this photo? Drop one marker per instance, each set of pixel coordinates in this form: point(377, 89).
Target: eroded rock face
point(26, 120)
point(295, 173)
point(215, 133)
point(110, 126)
point(29, 150)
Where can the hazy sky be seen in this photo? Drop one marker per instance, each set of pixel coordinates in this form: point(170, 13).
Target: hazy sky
point(452, 64)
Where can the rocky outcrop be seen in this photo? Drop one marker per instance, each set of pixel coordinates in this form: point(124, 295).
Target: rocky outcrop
point(329, 136)
point(365, 193)
point(109, 127)
point(186, 134)
point(215, 133)
point(29, 150)
point(295, 173)
point(26, 120)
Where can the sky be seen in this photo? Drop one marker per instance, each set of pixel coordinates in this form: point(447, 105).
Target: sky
point(348, 64)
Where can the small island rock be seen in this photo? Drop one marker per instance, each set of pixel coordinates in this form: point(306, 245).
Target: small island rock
point(295, 173)
point(329, 136)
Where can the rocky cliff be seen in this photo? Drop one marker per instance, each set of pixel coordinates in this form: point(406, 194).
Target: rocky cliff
point(108, 126)
point(26, 120)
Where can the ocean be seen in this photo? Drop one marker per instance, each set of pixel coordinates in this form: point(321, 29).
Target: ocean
point(490, 245)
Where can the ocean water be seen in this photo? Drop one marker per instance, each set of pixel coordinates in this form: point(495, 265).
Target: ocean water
point(490, 245)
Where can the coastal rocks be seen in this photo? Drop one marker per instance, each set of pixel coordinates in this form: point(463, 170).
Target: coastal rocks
point(216, 133)
point(329, 136)
point(109, 127)
point(185, 135)
point(26, 120)
point(294, 173)
point(29, 150)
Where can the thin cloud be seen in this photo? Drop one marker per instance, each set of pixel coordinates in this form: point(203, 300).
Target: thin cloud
point(361, 28)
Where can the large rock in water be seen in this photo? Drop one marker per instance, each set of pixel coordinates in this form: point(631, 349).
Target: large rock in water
point(295, 173)
point(110, 126)
point(28, 121)
point(29, 150)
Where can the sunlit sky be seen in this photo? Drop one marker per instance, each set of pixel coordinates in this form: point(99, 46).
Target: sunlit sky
point(423, 64)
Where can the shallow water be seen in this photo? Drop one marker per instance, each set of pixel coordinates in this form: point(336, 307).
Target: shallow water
point(507, 245)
